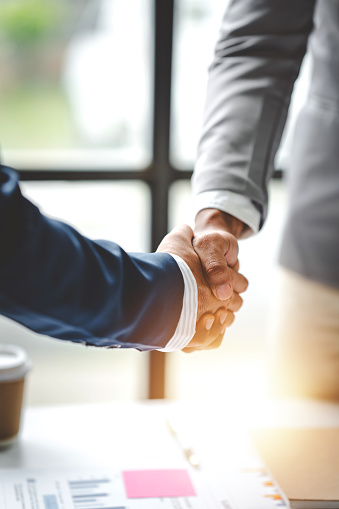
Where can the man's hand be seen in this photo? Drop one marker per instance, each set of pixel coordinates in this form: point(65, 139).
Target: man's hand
point(212, 317)
point(210, 331)
point(215, 242)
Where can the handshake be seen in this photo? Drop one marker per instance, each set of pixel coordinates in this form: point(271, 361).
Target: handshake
point(211, 252)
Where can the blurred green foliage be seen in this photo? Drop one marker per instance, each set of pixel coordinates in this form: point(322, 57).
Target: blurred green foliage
point(35, 118)
point(28, 21)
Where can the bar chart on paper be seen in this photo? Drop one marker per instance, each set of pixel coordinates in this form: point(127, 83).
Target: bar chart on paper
point(250, 488)
point(138, 489)
point(130, 489)
point(57, 490)
point(92, 492)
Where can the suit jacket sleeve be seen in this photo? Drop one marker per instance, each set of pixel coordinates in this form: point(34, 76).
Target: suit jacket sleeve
point(257, 59)
point(59, 283)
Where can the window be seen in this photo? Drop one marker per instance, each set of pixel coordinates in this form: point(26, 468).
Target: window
point(196, 28)
point(77, 91)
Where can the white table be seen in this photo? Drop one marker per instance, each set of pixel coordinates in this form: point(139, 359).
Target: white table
point(135, 436)
point(122, 434)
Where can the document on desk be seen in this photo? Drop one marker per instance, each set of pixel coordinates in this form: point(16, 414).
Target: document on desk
point(131, 489)
point(136, 489)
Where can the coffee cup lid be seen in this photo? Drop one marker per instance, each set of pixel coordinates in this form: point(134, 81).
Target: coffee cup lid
point(14, 363)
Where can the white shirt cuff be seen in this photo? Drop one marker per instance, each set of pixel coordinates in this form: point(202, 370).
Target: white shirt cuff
point(187, 322)
point(235, 204)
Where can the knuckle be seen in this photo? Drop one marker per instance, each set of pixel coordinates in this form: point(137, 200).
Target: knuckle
point(236, 266)
point(235, 303)
point(240, 282)
point(214, 269)
point(215, 237)
point(201, 242)
point(206, 240)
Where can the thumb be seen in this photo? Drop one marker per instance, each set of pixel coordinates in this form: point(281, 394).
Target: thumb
point(184, 231)
point(178, 241)
point(215, 250)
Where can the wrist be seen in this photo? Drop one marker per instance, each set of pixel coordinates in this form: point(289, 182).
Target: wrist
point(212, 219)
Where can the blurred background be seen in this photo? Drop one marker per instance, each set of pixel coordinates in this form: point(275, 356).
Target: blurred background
point(77, 94)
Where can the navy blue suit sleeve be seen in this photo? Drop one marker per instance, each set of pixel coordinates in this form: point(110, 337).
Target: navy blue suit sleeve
point(57, 282)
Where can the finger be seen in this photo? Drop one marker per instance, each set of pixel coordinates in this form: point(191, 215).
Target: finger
point(202, 331)
point(202, 341)
point(234, 303)
point(212, 346)
point(219, 338)
point(177, 240)
point(184, 231)
point(216, 251)
point(222, 242)
point(229, 319)
point(236, 266)
point(216, 343)
point(218, 326)
point(208, 329)
point(238, 282)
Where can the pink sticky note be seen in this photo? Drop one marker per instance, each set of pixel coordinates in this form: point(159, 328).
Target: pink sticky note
point(158, 483)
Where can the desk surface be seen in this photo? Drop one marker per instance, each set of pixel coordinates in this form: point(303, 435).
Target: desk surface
point(135, 434)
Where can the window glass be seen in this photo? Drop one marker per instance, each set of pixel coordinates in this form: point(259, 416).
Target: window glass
point(76, 83)
point(196, 28)
point(116, 211)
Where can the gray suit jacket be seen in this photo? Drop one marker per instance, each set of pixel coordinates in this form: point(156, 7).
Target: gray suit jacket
point(257, 59)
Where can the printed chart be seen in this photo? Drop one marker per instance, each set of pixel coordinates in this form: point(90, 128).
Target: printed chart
point(138, 489)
